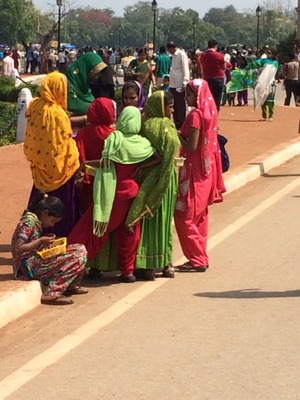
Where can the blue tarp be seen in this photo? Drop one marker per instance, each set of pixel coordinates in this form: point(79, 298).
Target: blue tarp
point(69, 46)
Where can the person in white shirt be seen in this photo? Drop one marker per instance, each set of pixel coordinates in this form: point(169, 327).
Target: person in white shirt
point(62, 61)
point(112, 59)
point(8, 64)
point(179, 78)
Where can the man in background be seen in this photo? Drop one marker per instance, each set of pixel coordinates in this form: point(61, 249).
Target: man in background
point(8, 64)
point(179, 78)
point(213, 66)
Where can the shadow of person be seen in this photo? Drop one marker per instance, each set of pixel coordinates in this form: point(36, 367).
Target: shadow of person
point(249, 294)
point(5, 248)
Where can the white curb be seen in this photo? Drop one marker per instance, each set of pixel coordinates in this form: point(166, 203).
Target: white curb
point(260, 165)
point(19, 301)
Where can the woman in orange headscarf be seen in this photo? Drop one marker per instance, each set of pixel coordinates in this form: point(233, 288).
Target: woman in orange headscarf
point(50, 148)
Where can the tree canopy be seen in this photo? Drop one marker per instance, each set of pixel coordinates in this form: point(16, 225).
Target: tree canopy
point(20, 20)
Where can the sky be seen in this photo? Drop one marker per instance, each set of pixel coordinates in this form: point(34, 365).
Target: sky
point(118, 5)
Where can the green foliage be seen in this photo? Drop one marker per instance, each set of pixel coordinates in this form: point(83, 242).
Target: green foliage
point(285, 47)
point(87, 27)
point(10, 93)
point(18, 21)
point(8, 112)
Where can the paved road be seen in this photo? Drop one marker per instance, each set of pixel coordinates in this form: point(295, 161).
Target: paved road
point(229, 334)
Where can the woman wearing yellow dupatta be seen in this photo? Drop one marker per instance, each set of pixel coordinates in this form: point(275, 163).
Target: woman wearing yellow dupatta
point(50, 148)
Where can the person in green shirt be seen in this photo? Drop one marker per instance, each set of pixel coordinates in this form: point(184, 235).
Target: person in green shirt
point(163, 65)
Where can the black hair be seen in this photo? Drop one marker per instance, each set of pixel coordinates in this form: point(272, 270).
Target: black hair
point(131, 85)
point(272, 53)
point(168, 98)
point(292, 55)
point(171, 45)
point(43, 202)
point(162, 49)
point(212, 43)
point(142, 50)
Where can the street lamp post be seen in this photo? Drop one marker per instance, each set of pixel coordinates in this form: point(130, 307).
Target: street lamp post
point(120, 35)
point(194, 34)
point(154, 10)
point(258, 15)
point(59, 4)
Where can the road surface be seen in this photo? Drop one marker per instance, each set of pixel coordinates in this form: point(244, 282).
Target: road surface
point(231, 333)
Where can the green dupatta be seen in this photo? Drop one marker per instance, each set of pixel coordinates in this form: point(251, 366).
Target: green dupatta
point(124, 146)
point(79, 93)
point(162, 133)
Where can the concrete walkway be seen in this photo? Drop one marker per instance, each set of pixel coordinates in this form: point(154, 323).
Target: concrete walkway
point(254, 147)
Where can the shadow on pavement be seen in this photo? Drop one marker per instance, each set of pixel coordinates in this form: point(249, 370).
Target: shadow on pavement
point(279, 176)
point(249, 294)
point(5, 248)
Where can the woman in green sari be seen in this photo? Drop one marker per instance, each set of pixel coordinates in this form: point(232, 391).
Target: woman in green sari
point(80, 74)
point(123, 153)
point(156, 199)
point(140, 69)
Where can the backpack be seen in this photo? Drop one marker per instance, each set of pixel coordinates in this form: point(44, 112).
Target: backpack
point(224, 155)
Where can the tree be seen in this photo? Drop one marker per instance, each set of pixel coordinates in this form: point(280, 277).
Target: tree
point(87, 27)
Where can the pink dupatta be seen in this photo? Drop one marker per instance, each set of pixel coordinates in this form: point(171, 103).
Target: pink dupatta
point(210, 150)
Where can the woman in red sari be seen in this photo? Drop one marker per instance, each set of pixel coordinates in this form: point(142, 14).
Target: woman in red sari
point(90, 141)
point(200, 180)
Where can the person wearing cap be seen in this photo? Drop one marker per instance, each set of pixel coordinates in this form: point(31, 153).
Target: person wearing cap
point(213, 66)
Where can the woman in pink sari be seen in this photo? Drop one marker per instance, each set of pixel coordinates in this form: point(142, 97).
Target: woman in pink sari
point(200, 179)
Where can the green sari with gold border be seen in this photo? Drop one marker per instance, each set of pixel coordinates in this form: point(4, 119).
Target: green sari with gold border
point(156, 200)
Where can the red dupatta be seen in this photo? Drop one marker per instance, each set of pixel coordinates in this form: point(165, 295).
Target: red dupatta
point(90, 139)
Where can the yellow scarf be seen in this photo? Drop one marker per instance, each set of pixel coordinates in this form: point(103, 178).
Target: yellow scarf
point(49, 145)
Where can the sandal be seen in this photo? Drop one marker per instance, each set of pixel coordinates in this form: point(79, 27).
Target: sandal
point(95, 273)
point(189, 267)
point(169, 272)
point(75, 290)
point(55, 301)
point(144, 274)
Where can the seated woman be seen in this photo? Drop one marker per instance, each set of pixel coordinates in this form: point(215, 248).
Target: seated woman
point(62, 273)
point(51, 150)
point(123, 151)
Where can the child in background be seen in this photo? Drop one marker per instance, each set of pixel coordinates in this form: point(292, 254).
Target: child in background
point(228, 96)
point(61, 273)
point(268, 107)
point(166, 83)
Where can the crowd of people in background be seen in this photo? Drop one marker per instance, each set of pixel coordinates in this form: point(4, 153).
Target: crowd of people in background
point(152, 68)
point(110, 177)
